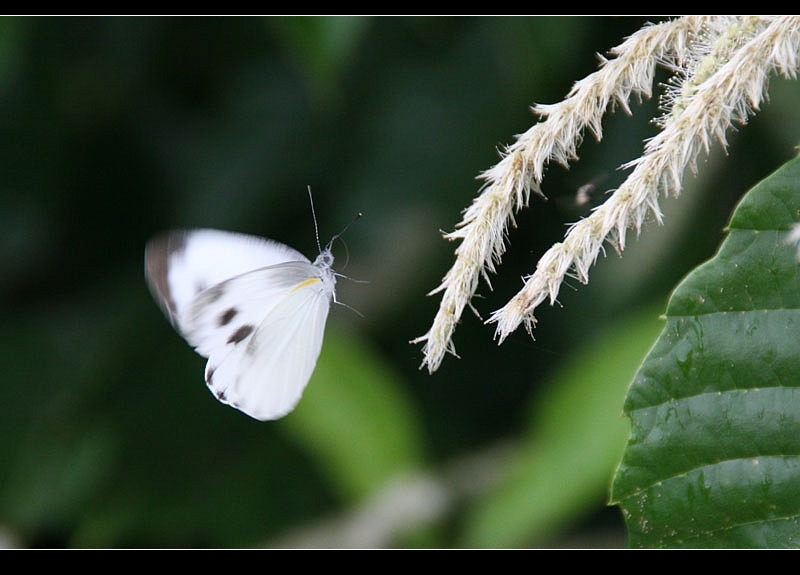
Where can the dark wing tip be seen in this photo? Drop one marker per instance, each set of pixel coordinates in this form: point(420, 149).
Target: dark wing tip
point(157, 256)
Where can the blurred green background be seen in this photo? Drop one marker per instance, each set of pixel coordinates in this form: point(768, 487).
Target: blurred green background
point(113, 129)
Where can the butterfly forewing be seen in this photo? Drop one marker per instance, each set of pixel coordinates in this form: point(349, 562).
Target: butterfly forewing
point(179, 265)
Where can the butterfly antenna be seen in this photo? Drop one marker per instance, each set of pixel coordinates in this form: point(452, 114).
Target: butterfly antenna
point(340, 234)
point(314, 215)
point(316, 228)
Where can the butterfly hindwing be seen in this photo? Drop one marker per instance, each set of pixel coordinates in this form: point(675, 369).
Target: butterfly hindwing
point(265, 374)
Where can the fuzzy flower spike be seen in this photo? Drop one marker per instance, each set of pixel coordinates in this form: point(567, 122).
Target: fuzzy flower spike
point(721, 69)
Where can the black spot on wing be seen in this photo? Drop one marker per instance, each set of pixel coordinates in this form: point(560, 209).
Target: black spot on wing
point(227, 316)
point(218, 393)
point(240, 334)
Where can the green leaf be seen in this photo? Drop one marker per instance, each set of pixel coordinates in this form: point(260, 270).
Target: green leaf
point(713, 459)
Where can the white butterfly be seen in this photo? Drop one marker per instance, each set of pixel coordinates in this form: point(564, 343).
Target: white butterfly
point(256, 308)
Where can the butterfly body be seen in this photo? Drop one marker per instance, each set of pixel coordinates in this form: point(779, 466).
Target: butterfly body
point(256, 308)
